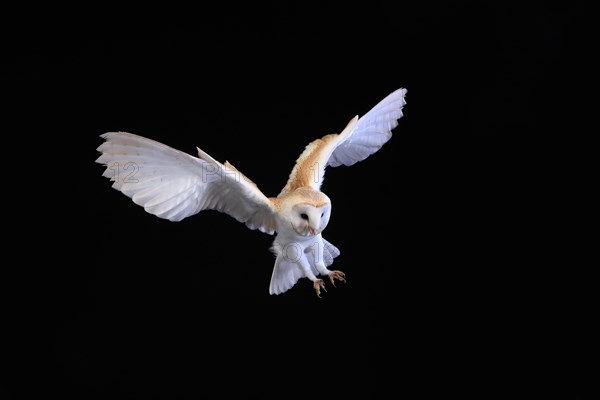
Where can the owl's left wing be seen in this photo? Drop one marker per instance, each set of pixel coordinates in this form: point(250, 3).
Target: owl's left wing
point(362, 137)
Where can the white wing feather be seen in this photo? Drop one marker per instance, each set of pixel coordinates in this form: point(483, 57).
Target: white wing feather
point(174, 185)
point(370, 132)
point(359, 139)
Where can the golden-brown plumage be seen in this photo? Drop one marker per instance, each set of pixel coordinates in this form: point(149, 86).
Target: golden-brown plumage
point(301, 195)
point(310, 166)
point(306, 169)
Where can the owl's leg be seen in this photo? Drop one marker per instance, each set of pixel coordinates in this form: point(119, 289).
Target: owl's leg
point(333, 275)
point(317, 253)
point(318, 284)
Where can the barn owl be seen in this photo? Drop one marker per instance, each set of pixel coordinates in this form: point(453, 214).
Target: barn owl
point(174, 185)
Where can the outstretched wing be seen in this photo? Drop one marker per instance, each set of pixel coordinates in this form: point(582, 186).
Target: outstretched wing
point(174, 185)
point(362, 137)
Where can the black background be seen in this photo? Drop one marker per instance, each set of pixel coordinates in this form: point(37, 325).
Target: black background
point(436, 230)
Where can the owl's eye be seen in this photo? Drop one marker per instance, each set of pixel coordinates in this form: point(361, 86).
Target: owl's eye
point(304, 216)
point(322, 215)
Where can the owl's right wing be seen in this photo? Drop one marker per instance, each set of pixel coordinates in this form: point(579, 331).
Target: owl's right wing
point(174, 185)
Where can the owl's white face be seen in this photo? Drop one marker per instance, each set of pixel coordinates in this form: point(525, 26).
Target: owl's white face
point(308, 220)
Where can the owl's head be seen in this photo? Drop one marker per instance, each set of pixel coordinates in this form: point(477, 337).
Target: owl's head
point(308, 219)
point(307, 212)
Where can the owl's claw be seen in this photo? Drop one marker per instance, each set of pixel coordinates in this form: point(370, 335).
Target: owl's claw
point(339, 275)
point(318, 285)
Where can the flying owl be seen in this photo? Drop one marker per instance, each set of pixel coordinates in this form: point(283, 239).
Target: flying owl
point(174, 185)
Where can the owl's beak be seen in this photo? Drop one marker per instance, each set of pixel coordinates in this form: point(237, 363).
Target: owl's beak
point(312, 231)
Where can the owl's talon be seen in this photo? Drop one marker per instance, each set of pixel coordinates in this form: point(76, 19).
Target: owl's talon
point(339, 275)
point(318, 285)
